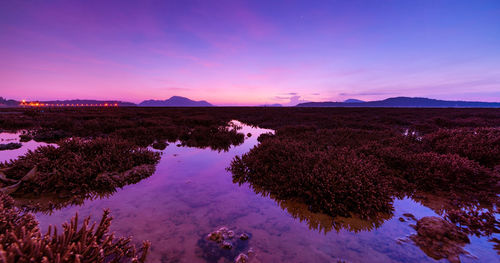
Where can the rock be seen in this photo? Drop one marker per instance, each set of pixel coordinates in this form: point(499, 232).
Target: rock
point(410, 216)
point(241, 258)
point(437, 228)
point(10, 146)
point(25, 137)
point(159, 145)
point(251, 251)
point(221, 234)
point(226, 245)
point(402, 219)
point(243, 236)
point(440, 239)
point(215, 236)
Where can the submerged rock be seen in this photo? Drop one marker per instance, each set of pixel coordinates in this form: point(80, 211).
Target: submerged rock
point(224, 243)
point(440, 239)
point(241, 258)
point(160, 145)
point(10, 146)
point(410, 216)
point(25, 137)
point(220, 235)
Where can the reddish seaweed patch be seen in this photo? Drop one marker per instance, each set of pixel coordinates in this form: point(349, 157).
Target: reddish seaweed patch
point(338, 161)
point(358, 171)
point(78, 167)
point(338, 182)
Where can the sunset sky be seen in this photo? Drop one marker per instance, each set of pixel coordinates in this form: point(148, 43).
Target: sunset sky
point(250, 52)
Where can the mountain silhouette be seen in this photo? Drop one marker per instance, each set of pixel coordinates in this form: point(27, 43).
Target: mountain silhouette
point(8, 103)
point(175, 101)
point(271, 105)
point(405, 102)
point(353, 101)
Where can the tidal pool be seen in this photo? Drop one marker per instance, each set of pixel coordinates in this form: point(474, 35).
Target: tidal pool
point(191, 194)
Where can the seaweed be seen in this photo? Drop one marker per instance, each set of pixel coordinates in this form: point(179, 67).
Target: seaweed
point(78, 166)
point(346, 162)
point(10, 146)
point(338, 182)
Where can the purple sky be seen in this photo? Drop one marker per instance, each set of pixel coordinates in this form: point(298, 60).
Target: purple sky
point(250, 52)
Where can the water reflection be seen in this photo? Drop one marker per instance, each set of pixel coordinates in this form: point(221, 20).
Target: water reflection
point(325, 223)
point(9, 137)
point(48, 203)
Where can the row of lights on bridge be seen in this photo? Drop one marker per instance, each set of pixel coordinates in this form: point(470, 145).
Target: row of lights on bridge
point(39, 104)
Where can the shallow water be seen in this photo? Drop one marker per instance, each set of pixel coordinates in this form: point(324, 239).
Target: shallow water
point(8, 137)
point(191, 194)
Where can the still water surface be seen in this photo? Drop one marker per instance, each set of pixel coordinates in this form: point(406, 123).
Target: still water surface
point(192, 194)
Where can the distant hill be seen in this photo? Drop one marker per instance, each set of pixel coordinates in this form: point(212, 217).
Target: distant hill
point(406, 102)
point(353, 101)
point(8, 103)
point(15, 103)
point(77, 101)
point(175, 101)
point(271, 105)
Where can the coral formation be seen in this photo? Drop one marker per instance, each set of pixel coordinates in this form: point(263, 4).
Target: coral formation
point(348, 163)
point(78, 167)
point(22, 241)
point(142, 127)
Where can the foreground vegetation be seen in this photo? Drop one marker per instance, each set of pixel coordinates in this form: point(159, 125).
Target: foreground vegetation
point(22, 241)
point(78, 166)
point(341, 162)
point(357, 168)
